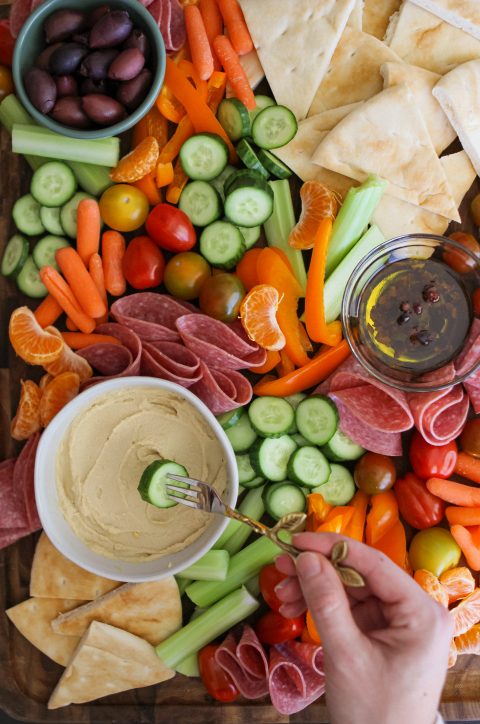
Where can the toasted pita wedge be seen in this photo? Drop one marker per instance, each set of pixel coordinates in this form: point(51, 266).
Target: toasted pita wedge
point(376, 15)
point(253, 68)
point(395, 217)
point(421, 38)
point(33, 619)
point(458, 93)
point(356, 16)
point(354, 73)
point(54, 576)
point(421, 82)
point(152, 610)
point(106, 661)
point(387, 137)
point(295, 42)
point(463, 14)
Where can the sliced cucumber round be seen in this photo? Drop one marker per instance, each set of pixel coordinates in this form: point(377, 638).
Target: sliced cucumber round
point(275, 126)
point(317, 419)
point(296, 398)
point(68, 214)
point(222, 244)
point(250, 158)
point(248, 205)
point(245, 175)
point(299, 439)
point(250, 235)
point(270, 456)
point(339, 488)
point(241, 435)
point(201, 203)
point(234, 118)
point(284, 498)
point(204, 156)
point(273, 164)
point(261, 103)
point(29, 281)
point(50, 216)
point(26, 215)
point(340, 447)
point(228, 419)
point(44, 250)
point(271, 416)
point(245, 471)
point(152, 485)
point(14, 256)
point(219, 181)
point(256, 482)
point(53, 184)
point(308, 466)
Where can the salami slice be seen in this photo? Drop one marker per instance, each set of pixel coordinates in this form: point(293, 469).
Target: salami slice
point(107, 359)
point(9, 536)
point(310, 654)
point(24, 482)
point(152, 316)
point(221, 392)
point(129, 340)
point(293, 683)
point(471, 350)
point(12, 507)
point(440, 416)
point(385, 443)
point(155, 10)
point(251, 654)
point(473, 391)
point(177, 25)
point(171, 361)
point(165, 18)
point(249, 686)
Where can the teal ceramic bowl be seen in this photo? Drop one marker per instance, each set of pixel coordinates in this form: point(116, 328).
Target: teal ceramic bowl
point(31, 42)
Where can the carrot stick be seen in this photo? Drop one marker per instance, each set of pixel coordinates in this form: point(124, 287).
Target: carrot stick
point(79, 340)
point(236, 26)
point(273, 358)
point(463, 516)
point(234, 70)
point(80, 282)
point(88, 229)
point(95, 268)
point(113, 249)
point(59, 289)
point(456, 493)
point(317, 327)
point(200, 50)
point(48, 311)
point(468, 467)
point(175, 188)
point(164, 174)
point(148, 185)
point(70, 324)
point(213, 22)
point(464, 539)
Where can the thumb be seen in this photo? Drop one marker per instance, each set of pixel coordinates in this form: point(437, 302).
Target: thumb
point(327, 601)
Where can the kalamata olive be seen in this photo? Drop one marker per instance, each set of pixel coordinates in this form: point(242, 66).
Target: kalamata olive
point(97, 13)
point(65, 60)
point(102, 109)
point(63, 23)
point(81, 38)
point(111, 29)
point(127, 65)
point(41, 89)
point(95, 65)
point(138, 39)
point(89, 86)
point(132, 92)
point(43, 60)
point(68, 111)
point(66, 85)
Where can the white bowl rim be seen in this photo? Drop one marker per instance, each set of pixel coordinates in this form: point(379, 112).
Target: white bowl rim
point(74, 549)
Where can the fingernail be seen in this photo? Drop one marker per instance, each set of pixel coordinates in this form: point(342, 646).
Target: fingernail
point(281, 585)
point(308, 565)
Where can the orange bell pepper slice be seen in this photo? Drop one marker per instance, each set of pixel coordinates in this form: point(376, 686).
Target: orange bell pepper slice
point(175, 188)
point(394, 544)
point(317, 328)
point(139, 132)
point(217, 84)
point(356, 528)
point(285, 365)
point(172, 148)
point(148, 185)
point(273, 358)
point(169, 107)
point(164, 174)
point(382, 516)
point(312, 629)
point(337, 520)
point(190, 72)
point(317, 511)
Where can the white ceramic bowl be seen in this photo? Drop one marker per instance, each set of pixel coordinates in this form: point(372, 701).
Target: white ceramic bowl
point(57, 528)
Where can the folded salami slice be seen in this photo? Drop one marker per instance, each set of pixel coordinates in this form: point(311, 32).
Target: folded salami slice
point(471, 350)
point(217, 344)
point(151, 316)
point(440, 416)
point(12, 507)
point(294, 683)
point(222, 392)
point(385, 443)
point(171, 361)
point(177, 34)
point(251, 654)
point(24, 481)
point(249, 685)
point(107, 359)
point(113, 356)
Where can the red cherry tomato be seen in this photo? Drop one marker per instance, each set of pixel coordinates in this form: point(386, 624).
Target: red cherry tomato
point(418, 506)
point(171, 228)
point(456, 259)
point(143, 263)
point(217, 682)
point(272, 628)
point(432, 461)
point(6, 43)
point(268, 579)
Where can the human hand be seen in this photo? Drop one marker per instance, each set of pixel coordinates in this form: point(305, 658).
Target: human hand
point(385, 646)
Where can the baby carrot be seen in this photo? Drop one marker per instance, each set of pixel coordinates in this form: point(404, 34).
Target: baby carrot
point(80, 282)
point(200, 50)
point(236, 26)
point(95, 267)
point(456, 493)
point(59, 289)
point(235, 73)
point(70, 324)
point(213, 22)
point(113, 249)
point(466, 542)
point(79, 340)
point(462, 516)
point(88, 228)
point(48, 311)
point(468, 467)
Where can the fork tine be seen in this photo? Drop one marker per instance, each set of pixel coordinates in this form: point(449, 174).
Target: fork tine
point(181, 479)
point(182, 501)
point(185, 491)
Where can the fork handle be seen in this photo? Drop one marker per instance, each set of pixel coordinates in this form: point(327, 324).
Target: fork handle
point(262, 529)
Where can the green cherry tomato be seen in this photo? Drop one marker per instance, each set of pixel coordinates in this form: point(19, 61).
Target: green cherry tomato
point(434, 550)
point(374, 473)
point(470, 438)
point(185, 275)
point(124, 207)
point(221, 296)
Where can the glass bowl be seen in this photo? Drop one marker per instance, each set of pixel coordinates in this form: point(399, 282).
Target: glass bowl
point(380, 261)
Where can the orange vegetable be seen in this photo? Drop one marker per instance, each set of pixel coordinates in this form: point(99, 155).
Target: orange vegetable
point(213, 22)
point(246, 269)
point(463, 516)
point(139, 132)
point(317, 327)
point(382, 516)
point(468, 467)
point(312, 629)
point(456, 493)
point(317, 511)
point(394, 544)
point(79, 340)
point(136, 164)
point(235, 73)
point(70, 324)
point(148, 185)
point(172, 148)
point(95, 268)
point(59, 289)
point(164, 174)
point(190, 71)
point(216, 90)
point(285, 366)
point(88, 228)
point(113, 249)
point(304, 338)
point(200, 50)
point(175, 188)
point(356, 528)
point(169, 107)
point(236, 26)
point(337, 520)
point(80, 282)
point(273, 358)
point(48, 311)
point(470, 548)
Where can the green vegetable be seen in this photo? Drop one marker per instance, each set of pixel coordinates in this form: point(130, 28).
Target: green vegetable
point(189, 666)
point(213, 566)
point(11, 112)
point(92, 178)
point(36, 141)
point(182, 583)
point(253, 586)
point(153, 483)
point(252, 505)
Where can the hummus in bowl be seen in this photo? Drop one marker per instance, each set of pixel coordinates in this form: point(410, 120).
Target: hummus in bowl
point(89, 463)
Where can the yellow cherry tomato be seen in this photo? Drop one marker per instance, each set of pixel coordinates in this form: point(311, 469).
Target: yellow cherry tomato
point(434, 550)
point(124, 207)
point(185, 274)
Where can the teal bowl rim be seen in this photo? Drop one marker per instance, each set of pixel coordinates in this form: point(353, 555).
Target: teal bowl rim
point(39, 15)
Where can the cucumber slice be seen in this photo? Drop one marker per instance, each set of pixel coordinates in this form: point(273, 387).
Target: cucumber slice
point(245, 471)
point(68, 213)
point(29, 281)
point(152, 485)
point(234, 118)
point(250, 235)
point(275, 126)
point(296, 399)
point(257, 482)
point(340, 447)
point(44, 250)
point(222, 244)
point(262, 102)
point(14, 256)
point(241, 435)
point(249, 178)
point(299, 439)
point(26, 215)
point(339, 488)
point(204, 156)
point(271, 416)
point(53, 184)
point(283, 498)
point(219, 181)
point(228, 419)
point(250, 158)
point(273, 164)
point(50, 216)
point(248, 205)
point(270, 456)
point(317, 419)
point(201, 203)
point(308, 466)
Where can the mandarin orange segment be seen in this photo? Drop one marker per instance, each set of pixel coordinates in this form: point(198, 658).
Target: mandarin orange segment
point(27, 418)
point(469, 642)
point(432, 586)
point(452, 654)
point(156, 126)
point(258, 314)
point(69, 361)
point(467, 613)
point(136, 164)
point(44, 380)
point(458, 582)
point(318, 202)
point(32, 343)
point(56, 394)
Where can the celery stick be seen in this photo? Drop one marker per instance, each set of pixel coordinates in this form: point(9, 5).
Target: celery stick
point(213, 566)
point(37, 141)
point(337, 281)
point(252, 505)
point(243, 566)
point(229, 611)
point(92, 178)
point(182, 583)
point(253, 586)
point(11, 112)
point(353, 218)
point(189, 665)
point(279, 225)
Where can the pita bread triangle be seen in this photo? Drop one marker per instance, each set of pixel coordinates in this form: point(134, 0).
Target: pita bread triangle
point(387, 136)
point(295, 42)
point(376, 15)
point(356, 17)
point(107, 661)
point(463, 14)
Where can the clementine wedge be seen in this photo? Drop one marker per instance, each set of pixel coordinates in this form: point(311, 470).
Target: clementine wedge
point(32, 343)
point(318, 202)
point(258, 314)
point(56, 394)
point(27, 418)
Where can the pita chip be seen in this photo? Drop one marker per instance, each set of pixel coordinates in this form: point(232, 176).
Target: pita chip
point(33, 619)
point(463, 14)
point(388, 137)
point(421, 38)
point(376, 15)
point(354, 73)
point(356, 16)
point(458, 93)
point(253, 69)
point(152, 610)
point(421, 82)
point(395, 217)
point(295, 42)
point(54, 576)
point(107, 661)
